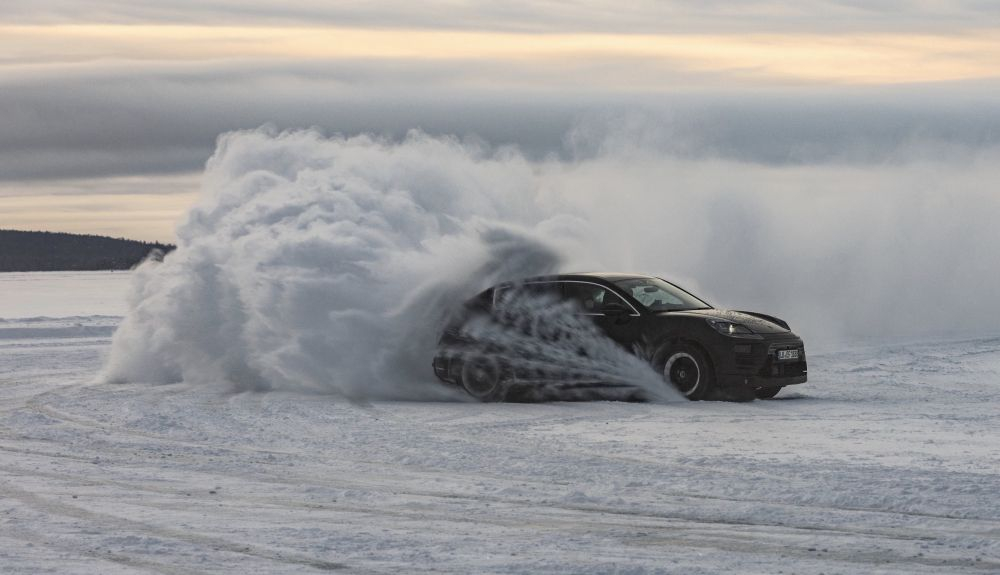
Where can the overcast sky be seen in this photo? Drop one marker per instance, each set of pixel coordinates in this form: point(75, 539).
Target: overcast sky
point(109, 109)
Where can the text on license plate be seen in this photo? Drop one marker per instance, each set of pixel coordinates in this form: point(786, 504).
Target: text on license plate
point(788, 354)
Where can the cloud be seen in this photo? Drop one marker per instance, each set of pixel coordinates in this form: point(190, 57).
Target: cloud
point(135, 119)
point(745, 58)
point(133, 215)
point(645, 16)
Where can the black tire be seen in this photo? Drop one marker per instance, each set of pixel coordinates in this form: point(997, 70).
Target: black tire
point(766, 392)
point(482, 377)
point(686, 368)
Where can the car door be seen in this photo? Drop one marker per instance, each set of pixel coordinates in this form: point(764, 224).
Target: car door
point(591, 299)
point(527, 306)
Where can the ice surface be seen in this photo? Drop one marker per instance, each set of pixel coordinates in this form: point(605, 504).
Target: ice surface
point(887, 461)
point(45, 294)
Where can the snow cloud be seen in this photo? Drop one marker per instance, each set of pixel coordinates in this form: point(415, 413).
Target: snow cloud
point(329, 264)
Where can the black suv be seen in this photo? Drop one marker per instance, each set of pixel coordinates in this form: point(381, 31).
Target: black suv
point(705, 353)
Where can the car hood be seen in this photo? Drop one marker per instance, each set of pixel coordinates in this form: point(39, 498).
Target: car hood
point(756, 324)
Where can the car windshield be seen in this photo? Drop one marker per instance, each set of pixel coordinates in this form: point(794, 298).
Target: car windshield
point(658, 295)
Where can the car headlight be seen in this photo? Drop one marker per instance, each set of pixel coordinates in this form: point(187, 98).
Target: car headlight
point(732, 329)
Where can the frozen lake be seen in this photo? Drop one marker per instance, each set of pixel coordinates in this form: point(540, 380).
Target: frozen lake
point(62, 294)
point(887, 461)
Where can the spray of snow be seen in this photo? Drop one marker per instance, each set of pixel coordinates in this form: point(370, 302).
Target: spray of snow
point(330, 264)
point(551, 349)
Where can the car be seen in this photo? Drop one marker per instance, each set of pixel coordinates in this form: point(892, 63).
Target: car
point(495, 347)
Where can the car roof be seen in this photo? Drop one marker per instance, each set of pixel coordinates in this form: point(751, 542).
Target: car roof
point(584, 276)
point(611, 276)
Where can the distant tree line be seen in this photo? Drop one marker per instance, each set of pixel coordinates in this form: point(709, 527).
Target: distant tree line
point(22, 251)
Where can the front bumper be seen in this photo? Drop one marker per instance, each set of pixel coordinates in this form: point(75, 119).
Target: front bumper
point(755, 363)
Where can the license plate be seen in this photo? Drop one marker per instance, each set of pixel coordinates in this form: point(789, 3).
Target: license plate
point(784, 354)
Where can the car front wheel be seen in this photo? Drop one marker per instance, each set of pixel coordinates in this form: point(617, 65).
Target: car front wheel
point(686, 368)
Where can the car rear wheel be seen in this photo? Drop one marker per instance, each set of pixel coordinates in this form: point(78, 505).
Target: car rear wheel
point(686, 368)
point(766, 392)
point(481, 378)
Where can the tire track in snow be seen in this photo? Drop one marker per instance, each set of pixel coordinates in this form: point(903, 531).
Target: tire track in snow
point(124, 525)
point(530, 505)
point(670, 529)
point(413, 471)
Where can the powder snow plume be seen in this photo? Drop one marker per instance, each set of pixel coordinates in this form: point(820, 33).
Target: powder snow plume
point(330, 264)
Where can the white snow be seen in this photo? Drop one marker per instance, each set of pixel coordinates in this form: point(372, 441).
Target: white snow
point(887, 461)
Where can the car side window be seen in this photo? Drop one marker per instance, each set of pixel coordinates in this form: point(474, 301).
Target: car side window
point(533, 290)
point(590, 297)
point(548, 290)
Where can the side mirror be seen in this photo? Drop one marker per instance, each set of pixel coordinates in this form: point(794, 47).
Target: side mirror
point(615, 309)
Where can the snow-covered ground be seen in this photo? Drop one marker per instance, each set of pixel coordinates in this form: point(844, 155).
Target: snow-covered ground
point(887, 461)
